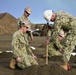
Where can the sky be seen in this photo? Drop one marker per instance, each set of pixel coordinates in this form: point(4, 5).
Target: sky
point(16, 8)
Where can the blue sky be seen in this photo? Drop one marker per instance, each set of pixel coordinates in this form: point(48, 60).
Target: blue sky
point(16, 8)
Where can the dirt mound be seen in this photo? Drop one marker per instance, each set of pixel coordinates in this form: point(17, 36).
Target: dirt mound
point(51, 69)
point(8, 24)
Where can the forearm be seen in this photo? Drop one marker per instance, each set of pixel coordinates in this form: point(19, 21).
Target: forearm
point(31, 35)
point(16, 52)
point(29, 51)
point(58, 44)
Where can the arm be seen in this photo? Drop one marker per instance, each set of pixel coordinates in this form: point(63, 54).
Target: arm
point(15, 46)
point(31, 35)
point(31, 53)
point(58, 44)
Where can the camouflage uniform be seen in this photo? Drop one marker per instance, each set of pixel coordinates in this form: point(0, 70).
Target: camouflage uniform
point(68, 23)
point(49, 34)
point(23, 18)
point(20, 47)
point(54, 47)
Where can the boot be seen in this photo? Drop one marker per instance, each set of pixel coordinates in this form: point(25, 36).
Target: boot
point(12, 63)
point(66, 66)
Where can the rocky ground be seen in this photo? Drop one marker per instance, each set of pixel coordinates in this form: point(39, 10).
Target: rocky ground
point(53, 68)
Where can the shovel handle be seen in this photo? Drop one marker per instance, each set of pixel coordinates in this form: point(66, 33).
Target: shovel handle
point(46, 54)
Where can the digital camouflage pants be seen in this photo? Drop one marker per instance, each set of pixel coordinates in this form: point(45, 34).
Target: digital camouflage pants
point(69, 45)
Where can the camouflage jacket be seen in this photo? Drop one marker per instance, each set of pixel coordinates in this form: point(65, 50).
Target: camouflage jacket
point(23, 18)
point(20, 44)
point(57, 44)
point(65, 21)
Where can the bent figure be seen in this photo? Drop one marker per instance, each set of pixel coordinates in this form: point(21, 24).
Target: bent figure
point(67, 22)
point(55, 47)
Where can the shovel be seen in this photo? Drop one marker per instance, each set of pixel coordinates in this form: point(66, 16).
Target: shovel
point(47, 54)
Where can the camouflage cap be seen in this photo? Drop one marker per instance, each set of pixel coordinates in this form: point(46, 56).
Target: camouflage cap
point(28, 10)
point(25, 23)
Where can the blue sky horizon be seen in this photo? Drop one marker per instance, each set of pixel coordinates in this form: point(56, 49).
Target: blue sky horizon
point(16, 8)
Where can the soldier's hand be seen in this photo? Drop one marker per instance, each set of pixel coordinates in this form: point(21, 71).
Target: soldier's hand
point(18, 59)
point(32, 37)
point(47, 41)
point(60, 50)
point(34, 57)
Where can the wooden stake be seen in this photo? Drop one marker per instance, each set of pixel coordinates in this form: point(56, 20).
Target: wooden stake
point(47, 54)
